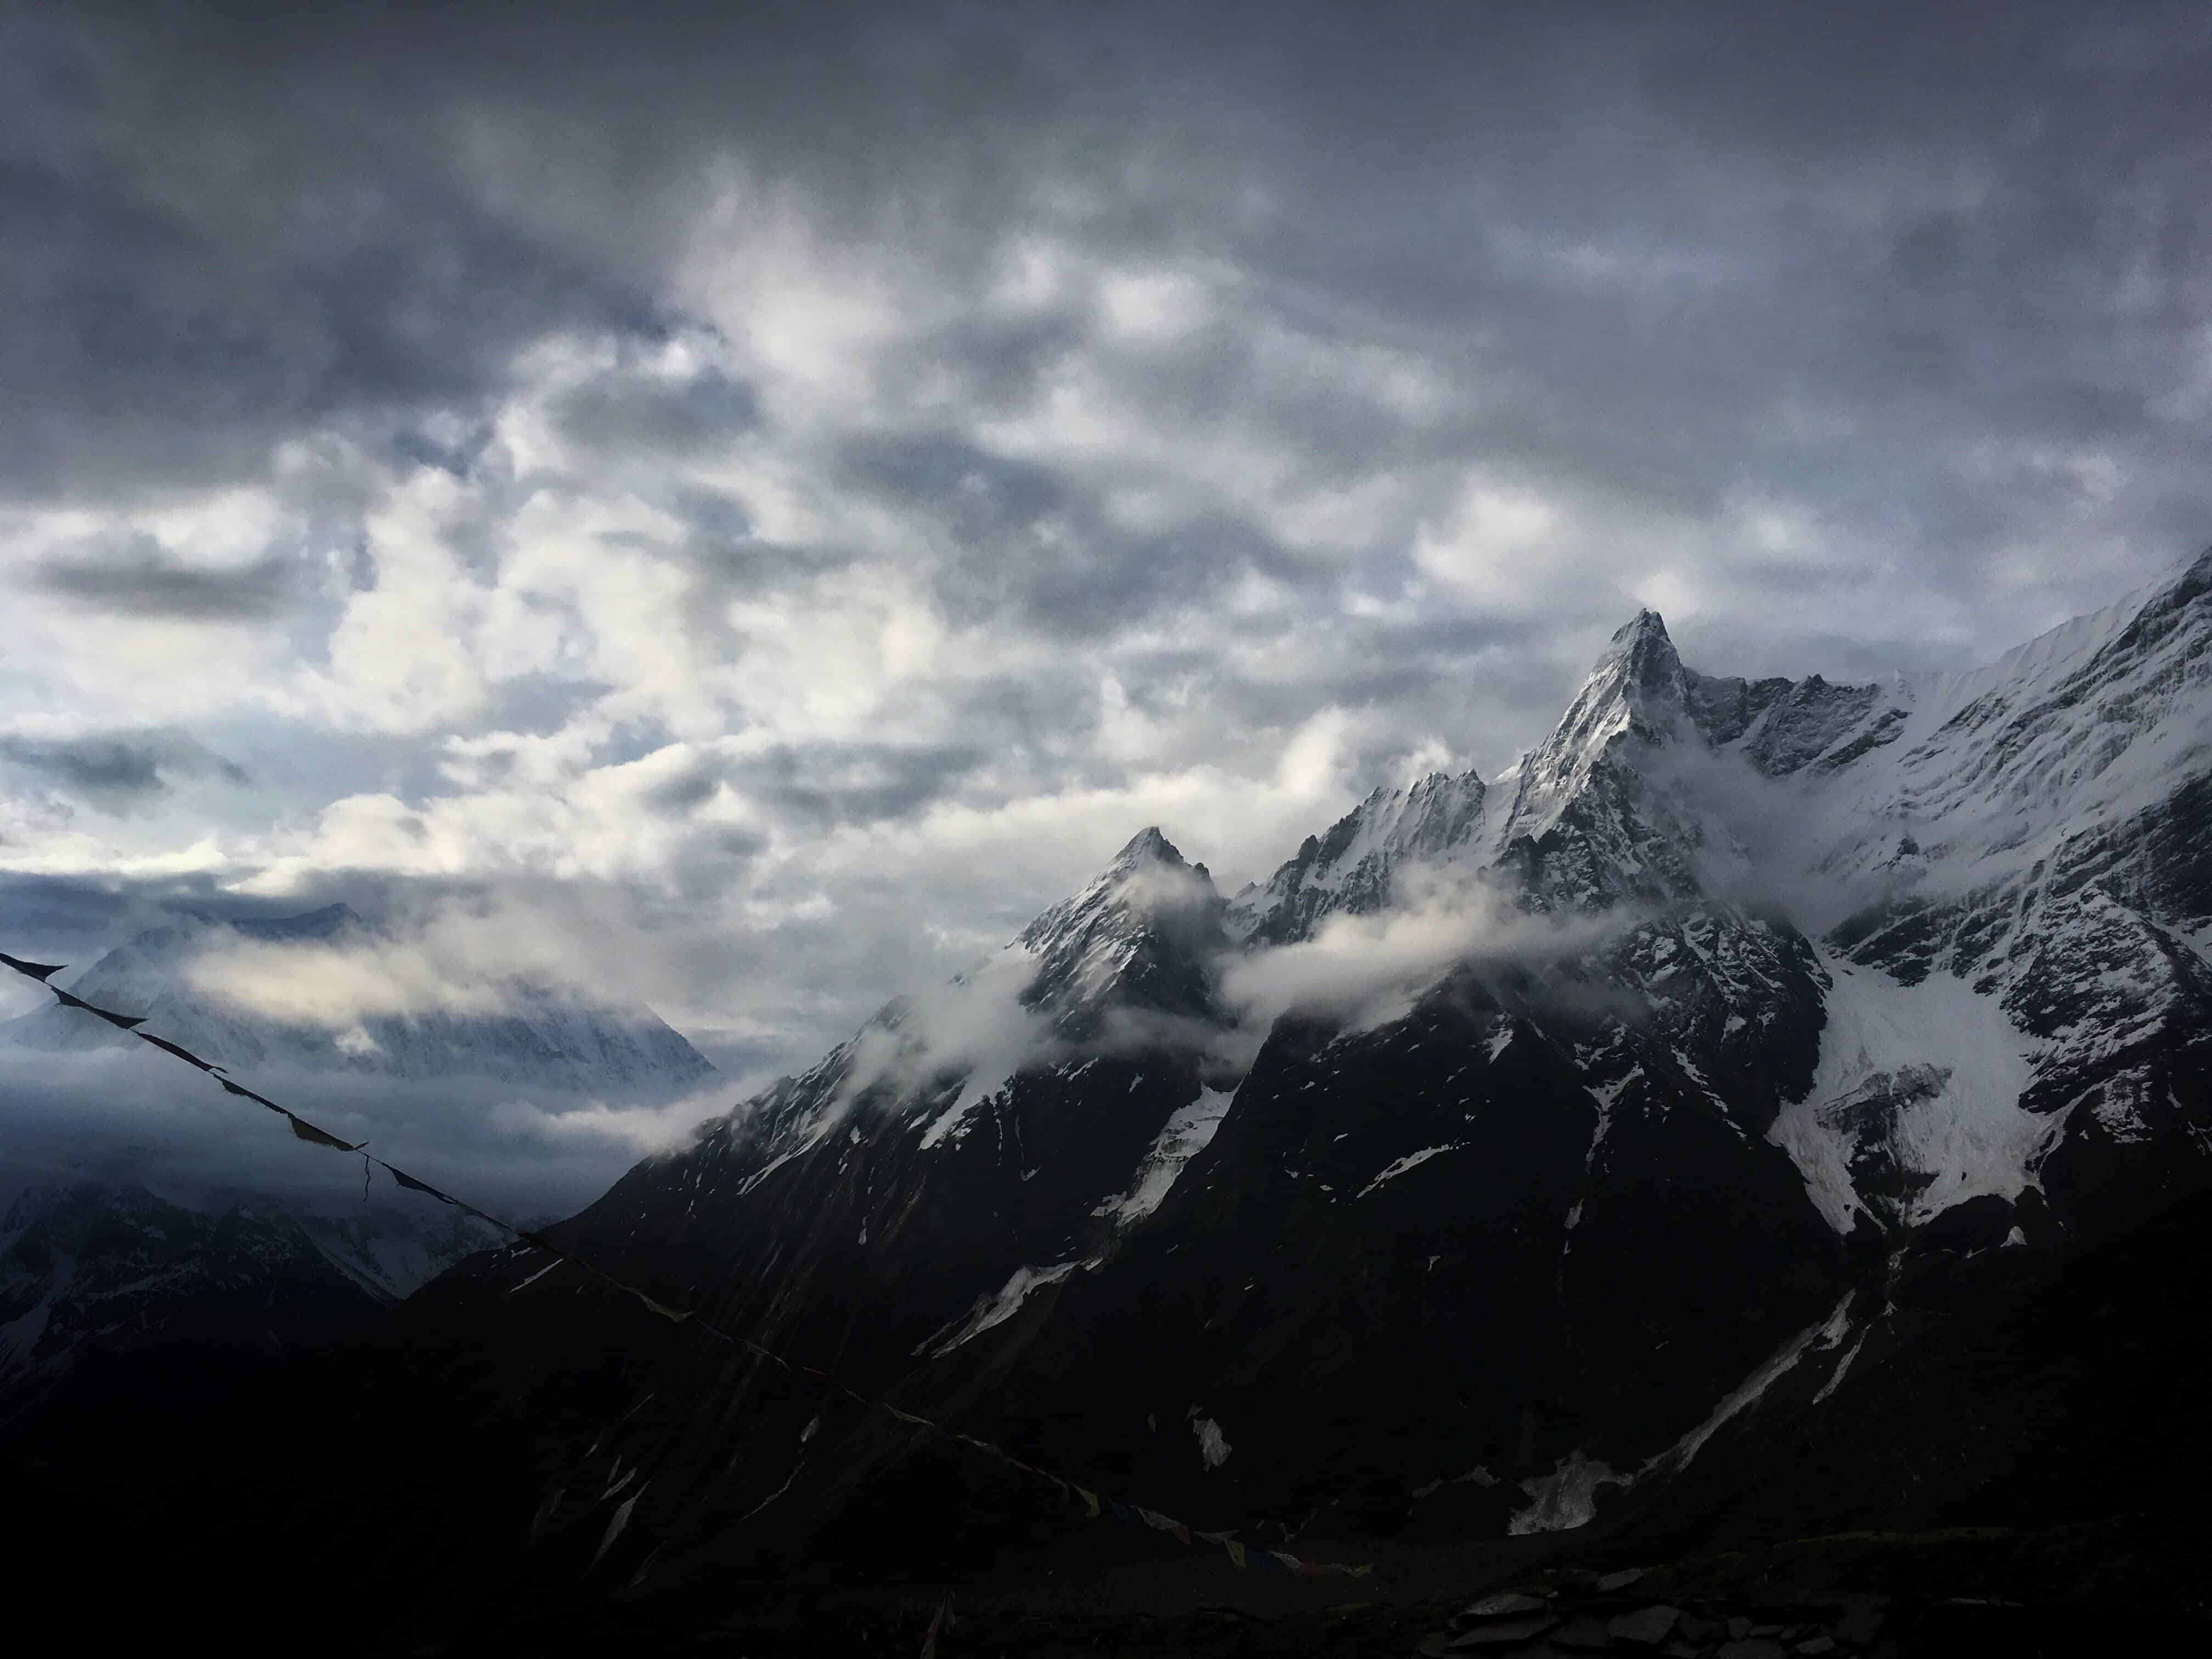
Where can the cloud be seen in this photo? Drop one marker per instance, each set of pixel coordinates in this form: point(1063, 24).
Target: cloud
point(336, 987)
point(657, 416)
point(451, 956)
point(1362, 971)
point(975, 1026)
point(140, 578)
point(119, 771)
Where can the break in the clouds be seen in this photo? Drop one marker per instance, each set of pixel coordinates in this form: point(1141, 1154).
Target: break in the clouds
point(780, 494)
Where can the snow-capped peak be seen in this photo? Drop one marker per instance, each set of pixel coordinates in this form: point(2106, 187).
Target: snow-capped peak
point(1359, 867)
point(1147, 846)
point(1641, 666)
point(1637, 689)
point(1142, 928)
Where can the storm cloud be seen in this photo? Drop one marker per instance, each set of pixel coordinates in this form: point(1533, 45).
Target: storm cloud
point(789, 490)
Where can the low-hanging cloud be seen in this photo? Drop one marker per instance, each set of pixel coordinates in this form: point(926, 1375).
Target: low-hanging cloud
point(460, 956)
point(1357, 973)
point(1360, 972)
point(339, 985)
point(974, 1025)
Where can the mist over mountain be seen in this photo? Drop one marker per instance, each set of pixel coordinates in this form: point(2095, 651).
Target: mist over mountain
point(149, 1234)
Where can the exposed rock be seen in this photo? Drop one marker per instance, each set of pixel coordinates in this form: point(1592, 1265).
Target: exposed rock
point(1647, 1625)
point(1508, 1603)
point(1504, 1633)
point(1583, 1634)
point(1860, 1626)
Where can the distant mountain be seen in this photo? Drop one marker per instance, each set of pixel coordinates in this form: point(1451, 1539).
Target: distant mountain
point(129, 1279)
point(540, 1034)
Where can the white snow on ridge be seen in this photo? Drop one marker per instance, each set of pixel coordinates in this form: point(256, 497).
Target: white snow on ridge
point(951, 1121)
point(1214, 1447)
point(1566, 1498)
point(1827, 1335)
point(1404, 1163)
point(1967, 1129)
point(1186, 1132)
point(997, 1310)
point(2105, 749)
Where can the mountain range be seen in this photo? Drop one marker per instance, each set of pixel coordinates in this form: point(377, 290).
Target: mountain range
point(1519, 1152)
point(1737, 1116)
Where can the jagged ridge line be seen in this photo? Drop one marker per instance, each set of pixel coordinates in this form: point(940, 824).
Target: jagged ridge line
point(1094, 1503)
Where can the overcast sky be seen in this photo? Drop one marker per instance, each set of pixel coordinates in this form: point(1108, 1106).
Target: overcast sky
point(774, 495)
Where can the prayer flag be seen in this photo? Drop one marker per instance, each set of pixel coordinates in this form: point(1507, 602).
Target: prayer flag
point(1090, 1501)
point(307, 1131)
point(125, 1021)
point(180, 1052)
point(39, 970)
point(415, 1186)
point(674, 1315)
point(248, 1094)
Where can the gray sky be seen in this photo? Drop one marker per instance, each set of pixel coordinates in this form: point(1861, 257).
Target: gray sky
point(774, 495)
